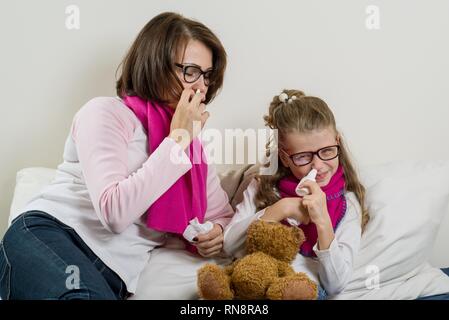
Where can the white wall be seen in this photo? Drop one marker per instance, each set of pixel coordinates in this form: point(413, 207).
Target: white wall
point(388, 87)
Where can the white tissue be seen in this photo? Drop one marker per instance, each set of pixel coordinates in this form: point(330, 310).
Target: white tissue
point(293, 222)
point(302, 192)
point(309, 177)
point(195, 228)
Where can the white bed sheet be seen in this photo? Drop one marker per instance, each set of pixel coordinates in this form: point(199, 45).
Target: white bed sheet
point(171, 274)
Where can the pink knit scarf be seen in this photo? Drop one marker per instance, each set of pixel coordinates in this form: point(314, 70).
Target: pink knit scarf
point(336, 205)
point(187, 197)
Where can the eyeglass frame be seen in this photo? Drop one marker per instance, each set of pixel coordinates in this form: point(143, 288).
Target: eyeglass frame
point(313, 155)
point(202, 73)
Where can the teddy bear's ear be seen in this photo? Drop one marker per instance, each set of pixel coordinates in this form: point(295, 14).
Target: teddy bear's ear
point(293, 239)
point(299, 235)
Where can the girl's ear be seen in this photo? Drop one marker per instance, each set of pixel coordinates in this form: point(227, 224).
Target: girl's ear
point(283, 157)
point(338, 138)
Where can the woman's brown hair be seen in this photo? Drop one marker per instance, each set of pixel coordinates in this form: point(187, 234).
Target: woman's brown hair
point(303, 115)
point(148, 71)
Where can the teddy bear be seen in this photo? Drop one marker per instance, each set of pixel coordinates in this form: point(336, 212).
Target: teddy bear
point(265, 271)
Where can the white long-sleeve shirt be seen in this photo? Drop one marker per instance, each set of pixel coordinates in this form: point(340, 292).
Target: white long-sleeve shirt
point(108, 180)
point(332, 268)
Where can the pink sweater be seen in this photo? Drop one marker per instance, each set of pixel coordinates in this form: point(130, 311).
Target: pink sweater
point(108, 180)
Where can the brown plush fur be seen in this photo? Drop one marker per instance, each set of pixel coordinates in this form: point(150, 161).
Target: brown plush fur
point(265, 272)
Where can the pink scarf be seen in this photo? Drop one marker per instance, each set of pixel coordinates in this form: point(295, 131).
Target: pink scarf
point(336, 205)
point(187, 197)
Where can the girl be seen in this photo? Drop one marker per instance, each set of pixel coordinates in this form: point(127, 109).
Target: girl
point(127, 183)
point(331, 216)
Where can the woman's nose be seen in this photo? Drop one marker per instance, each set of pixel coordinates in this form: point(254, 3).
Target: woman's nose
point(199, 84)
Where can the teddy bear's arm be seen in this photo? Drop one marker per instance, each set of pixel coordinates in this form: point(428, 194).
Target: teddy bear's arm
point(214, 283)
point(229, 269)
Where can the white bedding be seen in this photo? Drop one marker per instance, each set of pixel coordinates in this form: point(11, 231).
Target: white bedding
point(400, 208)
point(171, 275)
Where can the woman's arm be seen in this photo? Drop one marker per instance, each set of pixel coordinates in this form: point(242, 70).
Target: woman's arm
point(219, 210)
point(102, 130)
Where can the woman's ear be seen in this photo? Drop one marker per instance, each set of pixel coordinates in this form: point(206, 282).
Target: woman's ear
point(338, 138)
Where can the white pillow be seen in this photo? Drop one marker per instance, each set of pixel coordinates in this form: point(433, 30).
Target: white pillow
point(407, 202)
point(29, 182)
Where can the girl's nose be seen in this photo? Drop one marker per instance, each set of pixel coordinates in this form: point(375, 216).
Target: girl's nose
point(317, 163)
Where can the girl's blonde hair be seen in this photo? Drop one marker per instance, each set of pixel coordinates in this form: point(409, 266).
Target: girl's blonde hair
point(303, 115)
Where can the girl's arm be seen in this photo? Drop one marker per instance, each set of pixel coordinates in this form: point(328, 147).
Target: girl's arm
point(336, 263)
point(325, 234)
point(245, 214)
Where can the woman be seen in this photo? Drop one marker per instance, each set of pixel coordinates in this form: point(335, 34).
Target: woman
point(133, 175)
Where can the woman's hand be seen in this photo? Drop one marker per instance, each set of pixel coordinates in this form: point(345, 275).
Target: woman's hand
point(189, 117)
point(287, 208)
point(315, 203)
point(211, 243)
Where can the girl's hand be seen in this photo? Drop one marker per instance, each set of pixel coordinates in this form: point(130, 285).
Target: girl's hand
point(189, 117)
point(211, 243)
point(287, 208)
point(315, 203)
